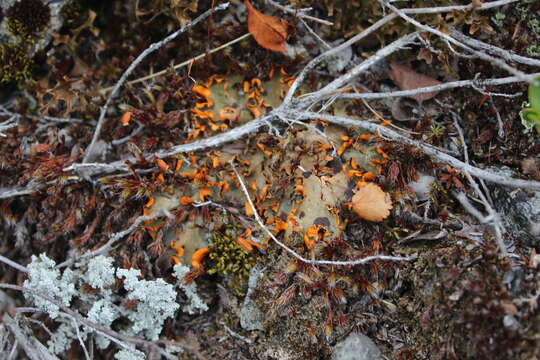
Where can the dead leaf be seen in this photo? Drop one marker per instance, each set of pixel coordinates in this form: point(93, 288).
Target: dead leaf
point(408, 79)
point(269, 32)
point(371, 203)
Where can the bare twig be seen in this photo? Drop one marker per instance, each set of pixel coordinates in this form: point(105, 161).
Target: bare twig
point(494, 50)
point(300, 257)
point(428, 149)
point(96, 327)
point(430, 10)
point(300, 13)
point(133, 65)
point(13, 264)
point(115, 237)
point(234, 334)
point(6, 125)
point(184, 63)
point(476, 83)
point(479, 54)
point(19, 191)
point(493, 217)
point(32, 347)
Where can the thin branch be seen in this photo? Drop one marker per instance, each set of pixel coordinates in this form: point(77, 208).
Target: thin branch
point(428, 149)
point(115, 237)
point(231, 135)
point(300, 257)
point(19, 191)
point(383, 21)
point(182, 64)
point(96, 327)
point(299, 13)
point(449, 85)
point(32, 347)
point(494, 50)
point(369, 62)
point(131, 68)
point(13, 264)
point(491, 59)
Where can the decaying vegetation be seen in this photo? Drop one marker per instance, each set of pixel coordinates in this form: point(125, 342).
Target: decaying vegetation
point(256, 180)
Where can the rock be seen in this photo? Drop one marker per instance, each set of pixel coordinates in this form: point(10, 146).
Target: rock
point(519, 211)
point(251, 317)
point(356, 347)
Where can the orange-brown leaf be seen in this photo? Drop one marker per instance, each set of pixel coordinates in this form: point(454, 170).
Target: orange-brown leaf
point(269, 32)
point(371, 203)
point(408, 79)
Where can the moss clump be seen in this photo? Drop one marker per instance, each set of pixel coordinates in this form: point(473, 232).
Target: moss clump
point(27, 17)
point(74, 14)
point(229, 259)
point(14, 63)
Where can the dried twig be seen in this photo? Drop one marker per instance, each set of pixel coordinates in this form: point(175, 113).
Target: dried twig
point(96, 327)
point(476, 83)
point(115, 237)
point(428, 149)
point(13, 264)
point(132, 66)
point(479, 54)
point(184, 63)
point(300, 257)
point(300, 13)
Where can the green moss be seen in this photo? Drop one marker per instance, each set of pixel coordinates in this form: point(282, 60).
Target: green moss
point(74, 14)
point(27, 17)
point(228, 259)
point(14, 63)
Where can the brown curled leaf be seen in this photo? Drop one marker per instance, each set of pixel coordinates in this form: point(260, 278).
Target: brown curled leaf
point(408, 79)
point(269, 32)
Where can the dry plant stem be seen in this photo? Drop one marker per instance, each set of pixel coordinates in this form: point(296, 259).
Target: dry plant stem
point(115, 237)
point(101, 329)
point(235, 335)
point(6, 125)
point(133, 65)
point(31, 346)
point(18, 191)
point(430, 10)
point(13, 264)
point(299, 13)
point(479, 54)
point(494, 50)
point(300, 257)
point(231, 135)
point(381, 54)
point(428, 149)
point(493, 215)
point(450, 85)
point(182, 64)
